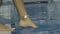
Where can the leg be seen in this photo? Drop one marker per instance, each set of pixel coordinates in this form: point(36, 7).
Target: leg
point(5, 28)
point(24, 22)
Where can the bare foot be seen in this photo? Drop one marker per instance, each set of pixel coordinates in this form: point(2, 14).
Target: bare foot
point(5, 28)
point(27, 22)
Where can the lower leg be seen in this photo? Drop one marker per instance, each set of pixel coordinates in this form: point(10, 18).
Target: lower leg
point(5, 28)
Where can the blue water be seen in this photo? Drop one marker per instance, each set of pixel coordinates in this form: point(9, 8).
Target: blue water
point(40, 15)
point(46, 18)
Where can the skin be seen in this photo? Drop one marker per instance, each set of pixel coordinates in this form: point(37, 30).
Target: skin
point(24, 22)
